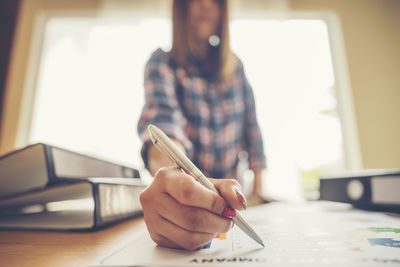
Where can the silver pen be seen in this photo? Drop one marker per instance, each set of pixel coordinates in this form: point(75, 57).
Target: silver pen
point(167, 147)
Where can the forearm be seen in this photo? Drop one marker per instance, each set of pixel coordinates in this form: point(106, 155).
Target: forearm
point(157, 160)
point(257, 186)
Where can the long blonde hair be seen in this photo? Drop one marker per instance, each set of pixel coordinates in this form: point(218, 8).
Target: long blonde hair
point(180, 44)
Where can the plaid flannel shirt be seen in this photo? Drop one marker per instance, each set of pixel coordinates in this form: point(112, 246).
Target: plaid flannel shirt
point(214, 122)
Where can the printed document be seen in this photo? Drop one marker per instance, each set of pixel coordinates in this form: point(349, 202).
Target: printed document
point(310, 234)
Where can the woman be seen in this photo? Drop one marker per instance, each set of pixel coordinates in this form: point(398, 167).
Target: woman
point(199, 96)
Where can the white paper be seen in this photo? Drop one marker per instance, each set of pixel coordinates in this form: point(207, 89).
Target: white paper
point(316, 234)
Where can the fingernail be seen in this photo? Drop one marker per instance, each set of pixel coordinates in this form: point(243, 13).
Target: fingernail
point(241, 198)
point(228, 212)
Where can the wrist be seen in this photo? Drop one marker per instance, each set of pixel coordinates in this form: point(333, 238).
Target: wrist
point(257, 192)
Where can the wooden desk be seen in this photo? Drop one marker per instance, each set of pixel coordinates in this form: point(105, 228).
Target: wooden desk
point(40, 248)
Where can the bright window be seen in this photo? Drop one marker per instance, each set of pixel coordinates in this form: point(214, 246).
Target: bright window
point(90, 86)
point(90, 91)
point(289, 66)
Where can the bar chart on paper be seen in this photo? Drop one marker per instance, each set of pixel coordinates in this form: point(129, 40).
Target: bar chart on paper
point(294, 235)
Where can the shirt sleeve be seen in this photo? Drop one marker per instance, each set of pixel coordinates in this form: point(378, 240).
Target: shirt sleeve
point(161, 106)
point(253, 138)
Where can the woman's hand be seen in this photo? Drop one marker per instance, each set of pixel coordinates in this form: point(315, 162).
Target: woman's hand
point(179, 212)
point(257, 197)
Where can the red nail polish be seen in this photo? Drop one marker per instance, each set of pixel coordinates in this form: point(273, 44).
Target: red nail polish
point(228, 212)
point(241, 198)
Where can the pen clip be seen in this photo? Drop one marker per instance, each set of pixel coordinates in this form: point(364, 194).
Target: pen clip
point(165, 152)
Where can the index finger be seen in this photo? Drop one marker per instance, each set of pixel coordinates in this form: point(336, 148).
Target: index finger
point(230, 191)
point(187, 191)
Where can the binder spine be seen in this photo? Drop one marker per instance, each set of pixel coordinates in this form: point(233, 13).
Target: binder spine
point(347, 190)
point(49, 164)
point(97, 222)
point(361, 191)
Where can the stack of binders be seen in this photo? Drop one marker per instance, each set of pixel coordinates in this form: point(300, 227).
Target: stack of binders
point(46, 187)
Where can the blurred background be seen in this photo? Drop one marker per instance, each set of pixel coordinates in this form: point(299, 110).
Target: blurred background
point(325, 74)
